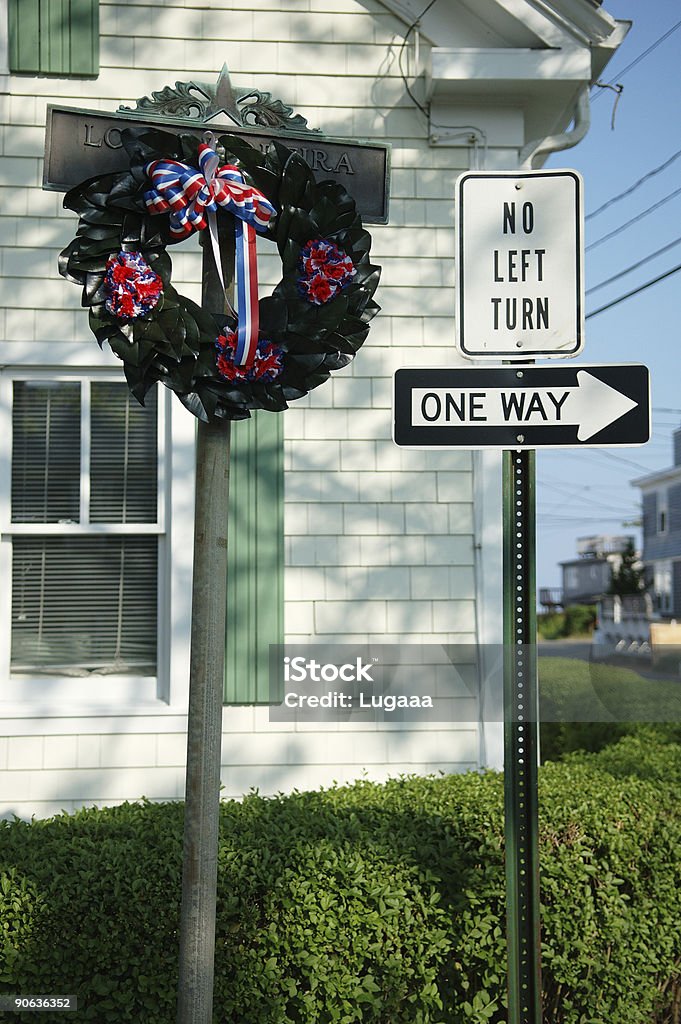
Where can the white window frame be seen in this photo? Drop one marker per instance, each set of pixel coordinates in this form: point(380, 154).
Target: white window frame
point(572, 578)
point(64, 695)
point(662, 524)
point(663, 586)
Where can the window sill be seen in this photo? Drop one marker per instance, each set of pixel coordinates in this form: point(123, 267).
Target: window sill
point(63, 693)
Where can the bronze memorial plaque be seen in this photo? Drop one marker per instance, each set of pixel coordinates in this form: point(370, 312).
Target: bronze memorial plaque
point(81, 144)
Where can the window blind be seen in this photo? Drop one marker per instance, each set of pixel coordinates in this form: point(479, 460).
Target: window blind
point(122, 456)
point(46, 452)
point(84, 604)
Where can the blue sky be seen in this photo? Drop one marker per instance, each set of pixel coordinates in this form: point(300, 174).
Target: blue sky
point(584, 492)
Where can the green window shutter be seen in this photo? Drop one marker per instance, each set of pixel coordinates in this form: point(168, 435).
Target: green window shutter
point(54, 37)
point(255, 557)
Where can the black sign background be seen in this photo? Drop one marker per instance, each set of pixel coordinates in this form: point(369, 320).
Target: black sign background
point(631, 379)
point(80, 144)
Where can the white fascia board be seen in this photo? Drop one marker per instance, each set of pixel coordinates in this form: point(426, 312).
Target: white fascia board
point(602, 52)
point(663, 476)
point(589, 24)
point(537, 17)
point(442, 24)
point(556, 22)
point(481, 68)
point(553, 22)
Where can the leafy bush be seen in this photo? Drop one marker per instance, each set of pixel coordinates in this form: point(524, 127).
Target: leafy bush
point(611, 885)
point(575, 620)
point(580, 619)
point(368, 903)
point(551, 625)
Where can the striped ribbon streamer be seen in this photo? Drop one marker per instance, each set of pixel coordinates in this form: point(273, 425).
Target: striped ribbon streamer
point(193, 197)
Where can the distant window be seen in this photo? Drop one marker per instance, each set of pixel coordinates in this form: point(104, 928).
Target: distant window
point(54, 37)
point(649, 510)
point(662, 587)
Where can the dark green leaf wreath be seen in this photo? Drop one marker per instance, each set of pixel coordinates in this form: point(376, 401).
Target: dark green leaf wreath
point(171, 339)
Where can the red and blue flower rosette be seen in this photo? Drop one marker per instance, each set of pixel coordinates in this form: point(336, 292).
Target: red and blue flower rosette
point(325, 270)
point(131, 286)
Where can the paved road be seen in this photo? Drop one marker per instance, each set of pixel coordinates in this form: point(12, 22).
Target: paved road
point(579, 648)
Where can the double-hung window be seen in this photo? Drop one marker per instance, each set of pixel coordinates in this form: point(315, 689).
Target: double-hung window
point(85, 528)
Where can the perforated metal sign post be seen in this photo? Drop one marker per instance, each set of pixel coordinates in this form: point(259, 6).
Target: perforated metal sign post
point(521, 745)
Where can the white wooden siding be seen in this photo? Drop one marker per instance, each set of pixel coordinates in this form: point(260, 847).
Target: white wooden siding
point(380, 543)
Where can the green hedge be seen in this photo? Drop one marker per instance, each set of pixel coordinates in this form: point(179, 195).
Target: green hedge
point(575, 620)
point(367, 903)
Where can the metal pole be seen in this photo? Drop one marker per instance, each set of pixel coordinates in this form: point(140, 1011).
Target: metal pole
point(206, 683)
point(521, 740)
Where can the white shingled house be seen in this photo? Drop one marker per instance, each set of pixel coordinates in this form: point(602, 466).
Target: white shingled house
point(367, 543)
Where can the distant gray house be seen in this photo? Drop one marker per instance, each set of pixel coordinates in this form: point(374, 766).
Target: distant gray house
point(587, 578)
point(661, 502)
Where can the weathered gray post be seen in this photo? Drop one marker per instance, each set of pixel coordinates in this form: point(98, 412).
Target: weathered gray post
point(206, 683)
point(204, 729)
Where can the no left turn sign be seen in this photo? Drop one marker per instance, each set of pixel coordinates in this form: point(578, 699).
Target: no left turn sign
point(520, 288)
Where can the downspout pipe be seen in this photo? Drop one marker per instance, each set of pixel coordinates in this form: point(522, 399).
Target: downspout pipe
point(554, 143)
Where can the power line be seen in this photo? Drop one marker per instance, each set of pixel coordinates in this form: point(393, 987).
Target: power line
point(639, 216)
point(554, 520)
point(635, 291)
point(632, 188)
point(573, 494)
point(634, 266)
point(584, 487)
point(620, 458)
point(602, 453)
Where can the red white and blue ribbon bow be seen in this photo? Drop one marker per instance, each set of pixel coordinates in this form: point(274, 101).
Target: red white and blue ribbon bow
point(193, 196)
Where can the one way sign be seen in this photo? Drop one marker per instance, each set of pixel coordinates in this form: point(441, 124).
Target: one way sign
point(522, 407)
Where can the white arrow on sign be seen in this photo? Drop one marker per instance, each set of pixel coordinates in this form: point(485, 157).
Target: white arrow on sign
point(591, 405)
